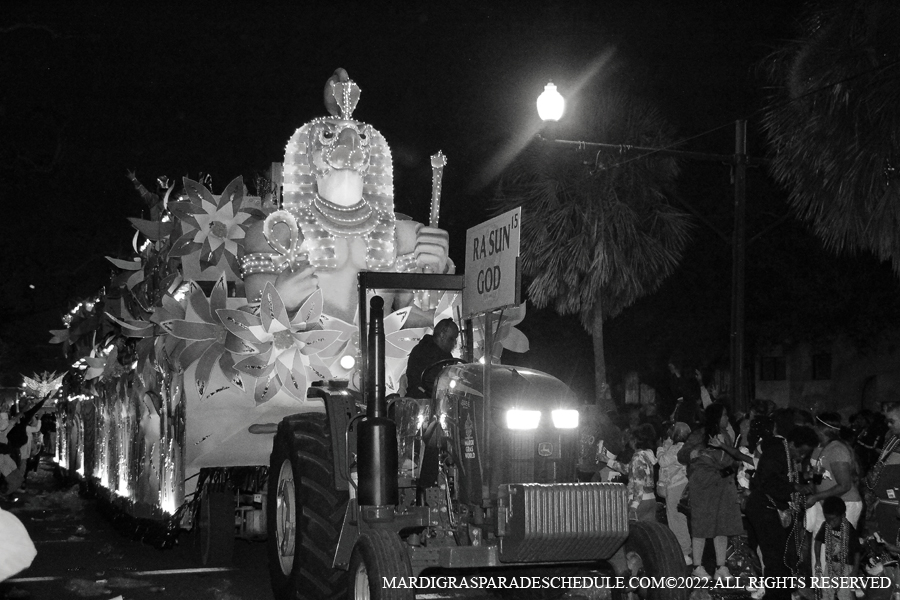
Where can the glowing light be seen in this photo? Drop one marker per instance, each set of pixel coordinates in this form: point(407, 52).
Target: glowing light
point(565, 418)
point(452, 383)
point(522, 419)
point(550, 104)
point(348, 362)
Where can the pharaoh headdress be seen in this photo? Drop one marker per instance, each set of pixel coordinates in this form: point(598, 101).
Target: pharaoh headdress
point(307, 157)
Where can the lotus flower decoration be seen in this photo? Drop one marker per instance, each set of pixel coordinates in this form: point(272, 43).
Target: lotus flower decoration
point(286, 346)
point(398, 344)
point(208, 340)
point(213, 227)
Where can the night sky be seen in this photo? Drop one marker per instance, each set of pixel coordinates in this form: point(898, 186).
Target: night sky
point(89, 93)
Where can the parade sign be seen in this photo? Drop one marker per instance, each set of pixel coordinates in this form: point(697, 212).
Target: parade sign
point(492, 264)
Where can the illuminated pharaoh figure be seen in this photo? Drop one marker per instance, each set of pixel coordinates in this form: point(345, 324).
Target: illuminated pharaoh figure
point(338, 187)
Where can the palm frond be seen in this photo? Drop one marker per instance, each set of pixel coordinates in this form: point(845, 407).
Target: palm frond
point(833, 124)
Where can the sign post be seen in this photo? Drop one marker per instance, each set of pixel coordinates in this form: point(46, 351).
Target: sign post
point(491, 282)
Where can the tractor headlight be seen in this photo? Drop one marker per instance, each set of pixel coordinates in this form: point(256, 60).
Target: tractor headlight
point(565, 418)
point(522, 419)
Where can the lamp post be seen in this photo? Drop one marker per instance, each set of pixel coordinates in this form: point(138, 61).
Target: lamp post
point(551, 106)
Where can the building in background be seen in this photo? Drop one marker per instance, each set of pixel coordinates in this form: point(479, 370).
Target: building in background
point(836, 375)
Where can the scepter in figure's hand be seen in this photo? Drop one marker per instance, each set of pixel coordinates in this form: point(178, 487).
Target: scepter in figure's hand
point(438, 162)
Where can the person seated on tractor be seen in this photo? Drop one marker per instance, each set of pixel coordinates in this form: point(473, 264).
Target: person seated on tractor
point(431, 350)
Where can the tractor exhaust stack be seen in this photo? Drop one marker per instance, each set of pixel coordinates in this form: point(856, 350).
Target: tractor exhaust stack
point(377, 438)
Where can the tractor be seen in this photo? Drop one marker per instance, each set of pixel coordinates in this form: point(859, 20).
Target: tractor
point(478, 478)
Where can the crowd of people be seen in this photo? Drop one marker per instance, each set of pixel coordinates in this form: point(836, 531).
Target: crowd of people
point(800, 494)
point(23, 437)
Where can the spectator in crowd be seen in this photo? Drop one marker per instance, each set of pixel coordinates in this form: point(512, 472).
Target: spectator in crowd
point(761, 427)
point(771, 489)
point(837, 547)
point(747, 460)
point(835, 474)
point(30, 451)
point(686, 392)
point(640, 473)
point(715, 512)
point(672, 481)
point(804, 418)
point(8, 467)
point(650, 414)
point(869, 430)
point(705, 397)
point(883, 479)
point(48, 431)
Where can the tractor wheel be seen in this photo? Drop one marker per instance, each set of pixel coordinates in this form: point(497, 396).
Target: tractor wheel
point(377, 554)
point(652, 550)
point(215, 527)
point(305, 511)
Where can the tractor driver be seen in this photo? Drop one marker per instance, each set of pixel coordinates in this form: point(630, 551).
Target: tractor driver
point(430, 350)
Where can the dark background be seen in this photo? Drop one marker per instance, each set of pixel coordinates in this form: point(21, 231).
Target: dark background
point(89, 92)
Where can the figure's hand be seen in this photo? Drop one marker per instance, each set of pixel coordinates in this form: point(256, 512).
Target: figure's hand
point(432, 249)
point(296, 285)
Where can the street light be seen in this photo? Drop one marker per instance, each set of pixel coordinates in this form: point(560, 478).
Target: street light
point(550, 104)
point(739, 161)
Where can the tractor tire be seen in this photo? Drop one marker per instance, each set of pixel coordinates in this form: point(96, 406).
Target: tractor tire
point(215, 526)
point(305, 511)
point(378, 554)
point(654, 550)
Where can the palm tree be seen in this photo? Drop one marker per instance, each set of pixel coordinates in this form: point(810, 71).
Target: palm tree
point(598, 236)
point(834, 124)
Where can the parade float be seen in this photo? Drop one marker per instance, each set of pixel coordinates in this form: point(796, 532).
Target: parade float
point(232, 305)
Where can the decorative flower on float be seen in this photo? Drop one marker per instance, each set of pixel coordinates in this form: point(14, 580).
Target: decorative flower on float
point(207, 340)
point(286, 347)
point(142, 330)
point(506, 335)
point(213, 227)
point(398, 344)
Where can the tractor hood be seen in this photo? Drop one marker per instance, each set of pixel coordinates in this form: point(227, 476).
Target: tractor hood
point(511, 387)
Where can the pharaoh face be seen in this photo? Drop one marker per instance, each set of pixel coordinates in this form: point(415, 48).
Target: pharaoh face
point(339, 157)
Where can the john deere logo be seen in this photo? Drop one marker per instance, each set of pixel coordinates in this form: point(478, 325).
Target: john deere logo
point(545, 448)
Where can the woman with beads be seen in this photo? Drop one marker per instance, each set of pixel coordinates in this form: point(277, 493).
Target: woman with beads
point(835, 473)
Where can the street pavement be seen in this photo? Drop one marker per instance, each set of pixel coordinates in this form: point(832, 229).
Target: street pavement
point(81, 555)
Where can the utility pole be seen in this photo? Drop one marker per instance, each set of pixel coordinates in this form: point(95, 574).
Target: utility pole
point(738, 247)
